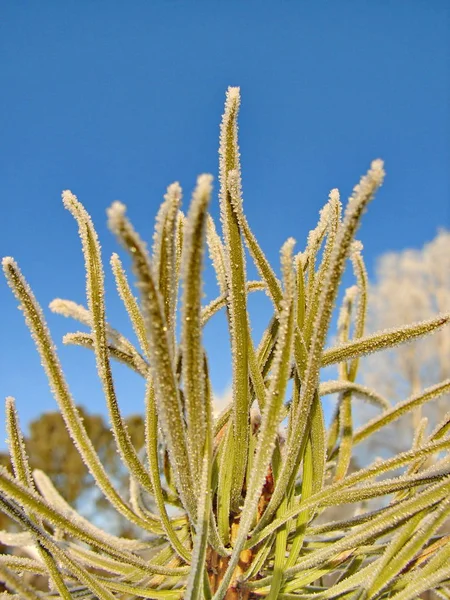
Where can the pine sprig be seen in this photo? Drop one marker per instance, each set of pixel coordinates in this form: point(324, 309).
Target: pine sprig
point(247, 491)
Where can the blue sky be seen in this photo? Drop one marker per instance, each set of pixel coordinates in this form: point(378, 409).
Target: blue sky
point(115, 100)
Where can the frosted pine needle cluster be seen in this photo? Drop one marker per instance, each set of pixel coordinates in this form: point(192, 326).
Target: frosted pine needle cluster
point(241, 511)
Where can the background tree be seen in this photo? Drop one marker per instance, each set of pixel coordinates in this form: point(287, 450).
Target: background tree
point(50, 449)
point(410, 286)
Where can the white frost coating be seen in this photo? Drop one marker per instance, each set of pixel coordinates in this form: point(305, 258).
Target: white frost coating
point(67, 196)
point(255, 416)
point(313, 237)
point(328, 222)
point(356, 247)
point(443, 425)
point(334, 200)
point(130, 304)
point(191, 329)
point(115, 213)
point(352, 293)
point(162, 367)
point(204, 186)
point(350, 296)
point(316, 234)
point(363, 193)
point(382, 339)
point(119, 224)
point(194, 589)
point(368, 183)
point(136, 500)
point(234, 187)
point(54, 498)
point(359, 269)
point(54, 516)
point(172, 202)
point(400, 409)
point(324, 213)
point(232, 103)
point(70, 309)
point(179, 242)
point(35, 321)
point(376, 469)
point(363, 532)
point(21, 538)
point(334, 195)
point(216, 253)
point(420, 432)
point(16, 444)
point(273, 287)
point(424, 583)
point(287, 267)
point(344, 324)
point(233, 93)
point(95, 293)
point(360, 391)
point(271, 414)
point(399, 554)
point(330, 219)
point(236, 278)
point(165, 260)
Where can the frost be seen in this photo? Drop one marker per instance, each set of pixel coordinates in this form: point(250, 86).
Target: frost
point(238, 498)
point(191, 330)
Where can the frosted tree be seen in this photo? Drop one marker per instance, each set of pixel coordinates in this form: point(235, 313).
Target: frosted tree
point(410, 286)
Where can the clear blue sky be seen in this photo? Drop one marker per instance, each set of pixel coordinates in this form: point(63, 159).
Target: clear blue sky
point(115, 100)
